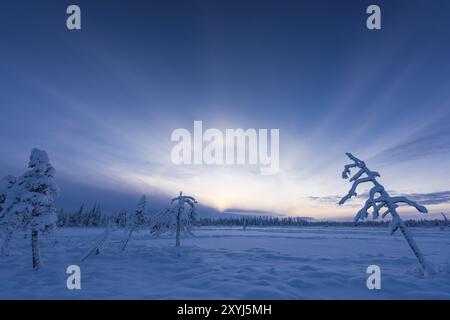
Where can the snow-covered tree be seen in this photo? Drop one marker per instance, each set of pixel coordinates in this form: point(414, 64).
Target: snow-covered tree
point(120, 218)
point(379, 199)
point(177, 218)
point(76, 218)
point(136, 220)
point(30, 201)
point(92, 218)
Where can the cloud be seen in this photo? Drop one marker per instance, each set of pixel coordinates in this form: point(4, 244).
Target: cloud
point(334, 200)
point(326, 199)
point(431, 139)
point(432, 198)
point(256, 212)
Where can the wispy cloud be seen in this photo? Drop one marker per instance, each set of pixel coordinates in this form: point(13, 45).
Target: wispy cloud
point(431, 198)
point(432, 139)
point(334, 200)
point(253, 212)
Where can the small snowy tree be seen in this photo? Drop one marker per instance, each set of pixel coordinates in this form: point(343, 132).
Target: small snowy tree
point(176, 219)
point(379, 199)
point(137, 219)
point(77, 218)
point(30, 201)
point(92, 218)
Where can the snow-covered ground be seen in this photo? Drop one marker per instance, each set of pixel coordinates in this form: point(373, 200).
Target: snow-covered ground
point(231, 263)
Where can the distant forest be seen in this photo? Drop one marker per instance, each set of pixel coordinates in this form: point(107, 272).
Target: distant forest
point(94, 217)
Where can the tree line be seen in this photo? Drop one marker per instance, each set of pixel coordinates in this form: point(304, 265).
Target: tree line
point(94, 217)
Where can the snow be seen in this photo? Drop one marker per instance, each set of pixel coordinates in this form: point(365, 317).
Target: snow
point(231, 263)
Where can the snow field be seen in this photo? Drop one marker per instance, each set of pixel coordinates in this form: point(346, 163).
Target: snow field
point(231, 263)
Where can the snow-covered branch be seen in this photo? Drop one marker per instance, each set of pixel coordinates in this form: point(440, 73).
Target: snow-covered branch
point(352, 191)
point(409, 202)
point(356, 179)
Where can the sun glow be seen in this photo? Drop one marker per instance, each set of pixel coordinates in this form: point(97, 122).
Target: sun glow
point(232, 189)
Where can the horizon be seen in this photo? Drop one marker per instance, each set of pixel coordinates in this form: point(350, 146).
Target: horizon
point(104, 101)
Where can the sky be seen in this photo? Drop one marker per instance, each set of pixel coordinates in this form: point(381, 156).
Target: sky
point(103, 101)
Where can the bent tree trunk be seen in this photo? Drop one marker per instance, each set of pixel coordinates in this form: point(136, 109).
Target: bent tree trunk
point(99, 245)
point(128, 239)
point(409, 239)
point(35, 249)
point(178, 229)
point(412, 244)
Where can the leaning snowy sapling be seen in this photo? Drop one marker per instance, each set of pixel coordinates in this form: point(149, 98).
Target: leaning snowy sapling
point(379, 199)
point(110, 228)
point(137, 220)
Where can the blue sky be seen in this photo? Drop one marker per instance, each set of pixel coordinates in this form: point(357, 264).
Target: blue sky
point(103, 101)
